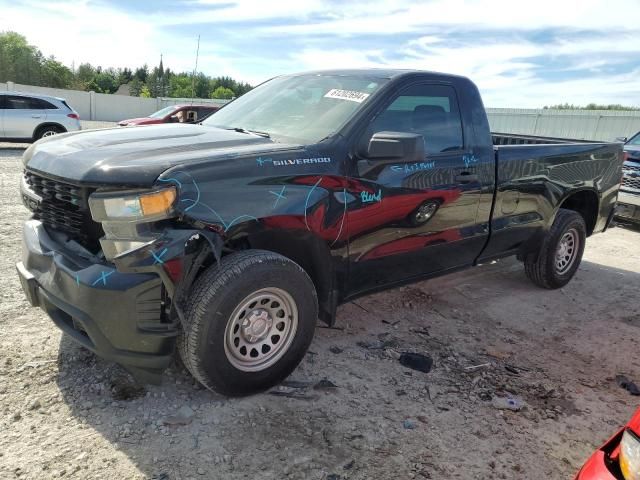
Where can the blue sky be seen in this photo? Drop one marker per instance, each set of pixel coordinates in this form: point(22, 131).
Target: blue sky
point(520, 53)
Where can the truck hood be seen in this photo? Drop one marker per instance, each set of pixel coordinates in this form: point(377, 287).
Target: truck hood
point(137, 156)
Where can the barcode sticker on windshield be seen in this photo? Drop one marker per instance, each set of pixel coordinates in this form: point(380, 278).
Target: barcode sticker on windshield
point(350, 95)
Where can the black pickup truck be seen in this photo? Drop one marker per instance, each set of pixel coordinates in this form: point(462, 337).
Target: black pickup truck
point(629, 199)
point(231, 238)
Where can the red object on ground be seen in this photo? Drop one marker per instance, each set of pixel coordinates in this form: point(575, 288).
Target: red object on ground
point(596, 468)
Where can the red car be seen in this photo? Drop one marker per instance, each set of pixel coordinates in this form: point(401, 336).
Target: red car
point(618, 458)
point(174, 113)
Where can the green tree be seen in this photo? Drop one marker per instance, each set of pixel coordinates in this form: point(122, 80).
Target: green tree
point(19, 61)
point(145, 93)
point(591, 106)
point(83, 75)
point(125, 75)
point(54, 74)
point(180, 86)
point(142, 73)
point(242, 88)
point(24, 63)
point(135, 87)
point(223, 92)
point(103, 82)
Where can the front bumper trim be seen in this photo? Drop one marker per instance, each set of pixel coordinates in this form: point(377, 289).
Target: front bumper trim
point(116, 315)
point(29, 284)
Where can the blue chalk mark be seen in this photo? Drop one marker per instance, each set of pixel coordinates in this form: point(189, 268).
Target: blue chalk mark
point(179, 183)
point(214, 212)
point(103, 277)
point(306, 202)
point(278, 196)
point(413, 167)
point(344, 214)
point(158, 257)
point(171, 180)
point(232, 222)
point(261, 161)
point(197, 198)
point(469, 160)
point(196, 202)
point(226, 225)
point(368, 197)
point(77, 280)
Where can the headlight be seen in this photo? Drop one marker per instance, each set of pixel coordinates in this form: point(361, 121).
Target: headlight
point(630, 456)
point(127, 217)
point(142, 206)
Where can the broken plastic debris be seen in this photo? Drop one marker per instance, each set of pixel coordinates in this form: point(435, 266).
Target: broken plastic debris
point(378, 344)
point(409, 424)
point(416, 361)
point(183, 416)
point(627, 384)
point(514, 404)
point(325, 384)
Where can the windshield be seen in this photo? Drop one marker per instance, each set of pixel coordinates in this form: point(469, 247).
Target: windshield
point(301, 108)
point(163, 113)
point(634, 140)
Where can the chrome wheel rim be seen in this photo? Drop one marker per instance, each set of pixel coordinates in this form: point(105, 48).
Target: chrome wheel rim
point(567, 251)
point(49, 133)
point(426, 211)
point(261, 329)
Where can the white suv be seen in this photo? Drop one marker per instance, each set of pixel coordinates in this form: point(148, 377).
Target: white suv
point(25, 117)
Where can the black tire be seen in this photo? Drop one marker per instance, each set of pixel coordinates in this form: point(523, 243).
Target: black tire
point(212, 306)
point(542, 267)
point(48, 130)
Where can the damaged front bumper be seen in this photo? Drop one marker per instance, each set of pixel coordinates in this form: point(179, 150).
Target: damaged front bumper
point(118, 311)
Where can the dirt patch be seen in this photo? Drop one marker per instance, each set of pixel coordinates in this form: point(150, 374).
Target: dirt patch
point(349, 411)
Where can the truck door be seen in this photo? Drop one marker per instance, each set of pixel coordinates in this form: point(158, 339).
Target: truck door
point(420, 218)
point(22, 116)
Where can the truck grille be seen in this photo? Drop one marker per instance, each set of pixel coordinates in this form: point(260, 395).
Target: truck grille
point(65, 207)
point(631, 176)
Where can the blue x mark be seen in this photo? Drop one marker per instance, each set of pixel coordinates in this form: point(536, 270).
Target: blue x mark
point(103, 277)
point(158, 257)
point(278, 196)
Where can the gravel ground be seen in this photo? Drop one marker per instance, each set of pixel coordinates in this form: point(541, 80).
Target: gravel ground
point(350, 411)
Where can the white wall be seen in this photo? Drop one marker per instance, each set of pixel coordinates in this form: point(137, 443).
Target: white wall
point(105, 107)
point(604, 125)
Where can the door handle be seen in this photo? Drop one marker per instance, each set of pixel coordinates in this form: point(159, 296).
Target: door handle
point(36, 116)
point(466, 177)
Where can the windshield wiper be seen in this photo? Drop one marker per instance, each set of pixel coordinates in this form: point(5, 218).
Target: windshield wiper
point(246, 130)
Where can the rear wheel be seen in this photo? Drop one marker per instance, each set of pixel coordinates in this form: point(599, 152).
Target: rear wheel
point(248, 323)
point(48, 131)
point(560, 254)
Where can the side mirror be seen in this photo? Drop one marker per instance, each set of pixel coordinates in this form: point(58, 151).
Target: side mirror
point(396, 146)
point(173, 119)
point(621, 139)
point(391, 147)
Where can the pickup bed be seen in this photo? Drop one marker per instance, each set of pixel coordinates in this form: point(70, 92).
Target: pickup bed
point(229, 239)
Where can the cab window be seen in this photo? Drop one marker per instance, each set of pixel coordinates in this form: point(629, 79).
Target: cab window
point(429, 110)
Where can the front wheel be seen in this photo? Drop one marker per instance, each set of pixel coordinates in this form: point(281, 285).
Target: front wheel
point(48, 131)
point(249, 321)
point(560, 254)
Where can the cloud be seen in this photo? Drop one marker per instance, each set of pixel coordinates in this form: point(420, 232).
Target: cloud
point(575, 51)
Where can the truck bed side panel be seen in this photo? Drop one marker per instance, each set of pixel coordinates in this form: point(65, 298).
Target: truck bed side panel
point(534, 180)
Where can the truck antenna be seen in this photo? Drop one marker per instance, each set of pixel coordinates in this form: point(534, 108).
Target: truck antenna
point(193, 78)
